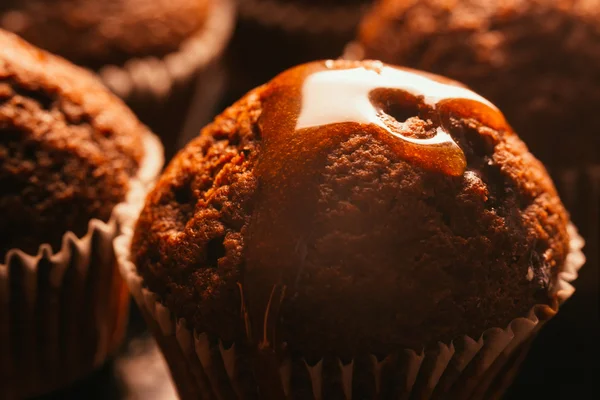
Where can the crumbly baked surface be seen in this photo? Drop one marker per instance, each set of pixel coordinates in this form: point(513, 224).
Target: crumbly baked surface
point(397, 256)
point(67, 147)
point(95, 33)
point(536, 60)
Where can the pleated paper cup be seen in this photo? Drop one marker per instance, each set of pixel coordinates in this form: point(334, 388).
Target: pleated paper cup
point(166, 93)
point(203, 366)
point(62, 314)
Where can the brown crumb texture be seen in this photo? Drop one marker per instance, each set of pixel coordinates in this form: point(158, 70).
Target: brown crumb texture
point(95, 33)
point(67, 148)
point(397, 256)
point(189, 240)
point(537, 60)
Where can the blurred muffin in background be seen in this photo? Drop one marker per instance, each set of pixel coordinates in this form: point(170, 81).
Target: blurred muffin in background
point(537, 60)
point(149, 52)
point(71, 155)
point(272, 35)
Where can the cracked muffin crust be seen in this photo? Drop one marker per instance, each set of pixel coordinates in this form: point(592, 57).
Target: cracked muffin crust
point(349, 244)
point(538, 61)
point(67, 148)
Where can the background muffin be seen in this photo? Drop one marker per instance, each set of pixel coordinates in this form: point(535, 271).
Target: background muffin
point(108, 32)
point(329, 235)
point(149, 52)
point(70, 152)
point(534, 59)
point(272, 35)
point(69, 148)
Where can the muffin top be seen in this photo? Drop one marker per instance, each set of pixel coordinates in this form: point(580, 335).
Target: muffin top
point(95, 33)
point(67, 148)
point(536, 59)
point(348, 206)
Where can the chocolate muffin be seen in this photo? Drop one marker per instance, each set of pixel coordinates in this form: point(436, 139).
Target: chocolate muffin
point(148, 52)
point(272, 35)
point(535, 59)
point(71, 153)
point(68, 148)
point(538, 61)
point(354, 209)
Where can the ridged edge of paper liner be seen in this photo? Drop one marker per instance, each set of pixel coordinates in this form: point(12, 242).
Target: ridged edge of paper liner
point(202, 366)
point(56, 288)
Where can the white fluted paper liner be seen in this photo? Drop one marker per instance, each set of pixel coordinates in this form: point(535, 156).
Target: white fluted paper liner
point(202, 367)
point(153, 79)
point(176, 94)
point(63, 313)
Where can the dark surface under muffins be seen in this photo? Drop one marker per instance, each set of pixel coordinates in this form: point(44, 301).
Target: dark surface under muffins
point(67, 148)
point(538, 61)
point(191, 240)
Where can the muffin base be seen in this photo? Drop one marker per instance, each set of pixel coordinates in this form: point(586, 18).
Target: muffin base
point(62, 314)
point(203, 366)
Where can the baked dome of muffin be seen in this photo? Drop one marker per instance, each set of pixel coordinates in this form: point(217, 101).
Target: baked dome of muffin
point(107, 31)
point(67, 148)
point(536, 60)
point(413, 218)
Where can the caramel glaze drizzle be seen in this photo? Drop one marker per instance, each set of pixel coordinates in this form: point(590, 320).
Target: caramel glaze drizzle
point(307, 112)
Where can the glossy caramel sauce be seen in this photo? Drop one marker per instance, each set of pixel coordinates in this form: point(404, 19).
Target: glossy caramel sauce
point(307, 112)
